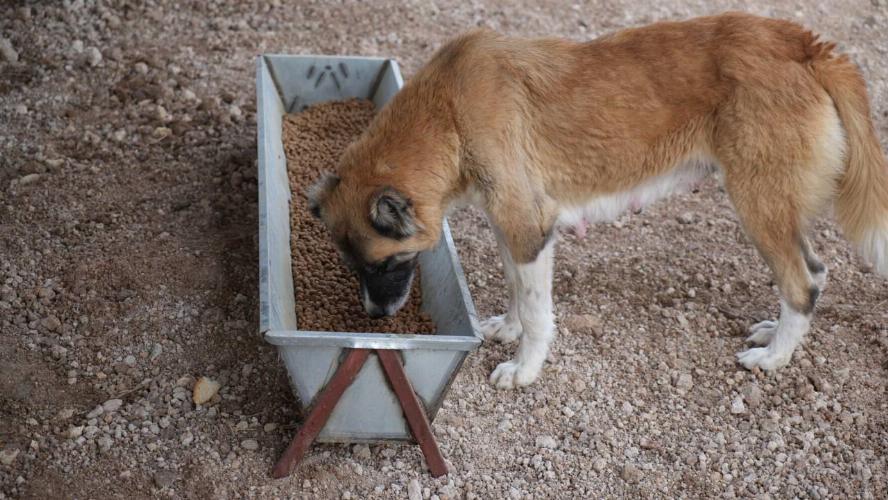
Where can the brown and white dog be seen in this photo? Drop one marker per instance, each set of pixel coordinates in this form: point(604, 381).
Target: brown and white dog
point(545, 133)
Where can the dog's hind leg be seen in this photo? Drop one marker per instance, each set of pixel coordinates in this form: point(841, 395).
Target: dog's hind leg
point(534, 303)
point(505, 327)
point(776, 228)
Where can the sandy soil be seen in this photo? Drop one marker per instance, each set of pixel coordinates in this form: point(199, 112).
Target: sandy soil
point(128, 268)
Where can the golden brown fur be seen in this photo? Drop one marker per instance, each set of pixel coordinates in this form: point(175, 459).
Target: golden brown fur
point(527, 128)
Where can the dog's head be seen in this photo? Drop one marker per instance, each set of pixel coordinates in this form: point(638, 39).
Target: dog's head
point(378, 227)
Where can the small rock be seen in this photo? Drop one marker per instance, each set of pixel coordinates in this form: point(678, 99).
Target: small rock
point(112, 405)
point(546, 442)
point(141, 68)
point(75, 431)
point(627, 408)
point(164, 478)
point(58, 351)
point(204, 390)
point(505, 425)
point(599, 464)
point(93, 56)
point(105, 443)
point(753, 395)
point(270, 427)
point(98, 410)
point(187, 439)
point(583, 323)
point(7, 51)
point(21, 109)
point(414, 490)
point(156, 351)
point(51, 323)
point(684, 382)
point(579, 385)
point(129, 360)
point(361, 451)
point(686, 218)
point(66, 413)
point(631, 473)
point(7, 456)
point(737, 406)
point(161, 133)
point(250, 444)
point(821, 384)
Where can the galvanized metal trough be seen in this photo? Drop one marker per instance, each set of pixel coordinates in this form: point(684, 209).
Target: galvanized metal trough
point(368, 410)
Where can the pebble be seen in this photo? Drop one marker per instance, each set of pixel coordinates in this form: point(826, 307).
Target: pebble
point(599, 464)
point(250, 444)
point(7, 51)
point(752, 395)
point(686, 218)
point(414, 490)
point(361, 451)
point(269, 427)
point(546, 442)
point(583, 323)
point(7, 456)
point(684, 382)
point(75, 431)
point(98, 410)
point(631, 473)
point(21, 109)
point(105, 443)
point(204, 390)
point(187, 439)
point(129, 360)
point(51, 323)
point(156, 351)
point(737, 406)
point(164, 478)
point(93, 56)
point(112, 405)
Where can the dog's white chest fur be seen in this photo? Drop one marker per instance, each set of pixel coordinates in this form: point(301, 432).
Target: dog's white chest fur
point(609, 207)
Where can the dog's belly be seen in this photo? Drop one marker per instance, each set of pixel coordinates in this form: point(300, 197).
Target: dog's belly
point(609, 206)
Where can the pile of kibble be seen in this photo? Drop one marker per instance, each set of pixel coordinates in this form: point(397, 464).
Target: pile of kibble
point(327, 294)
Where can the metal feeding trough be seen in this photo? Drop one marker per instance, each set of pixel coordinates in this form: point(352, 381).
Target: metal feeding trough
point(358, 387)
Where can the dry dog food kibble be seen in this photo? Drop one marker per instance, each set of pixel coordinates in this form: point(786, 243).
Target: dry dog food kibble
point(327, 294)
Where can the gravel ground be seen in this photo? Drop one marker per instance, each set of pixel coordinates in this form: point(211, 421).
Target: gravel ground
point(128, 269)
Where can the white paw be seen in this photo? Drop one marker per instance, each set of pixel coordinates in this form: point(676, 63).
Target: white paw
point(512, 374)
point(501, 328)
point(762, 357)
point(762, 333)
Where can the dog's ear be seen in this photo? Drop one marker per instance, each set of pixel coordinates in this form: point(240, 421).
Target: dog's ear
point(392, 214)
point(319, 192)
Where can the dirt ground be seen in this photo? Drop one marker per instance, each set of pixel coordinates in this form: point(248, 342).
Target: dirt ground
point(128, 267)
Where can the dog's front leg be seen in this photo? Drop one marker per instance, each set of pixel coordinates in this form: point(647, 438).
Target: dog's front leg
point(533, 297)
point(505, 327)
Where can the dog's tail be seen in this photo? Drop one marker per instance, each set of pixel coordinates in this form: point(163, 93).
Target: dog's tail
point(862, 202)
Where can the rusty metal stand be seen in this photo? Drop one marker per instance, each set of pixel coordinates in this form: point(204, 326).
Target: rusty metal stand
point(326, 401)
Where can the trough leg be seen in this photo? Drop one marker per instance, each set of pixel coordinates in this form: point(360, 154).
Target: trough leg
point(323, 406)
point(413, 411)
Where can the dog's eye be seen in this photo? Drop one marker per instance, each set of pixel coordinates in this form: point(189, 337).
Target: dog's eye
point(391, 263)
